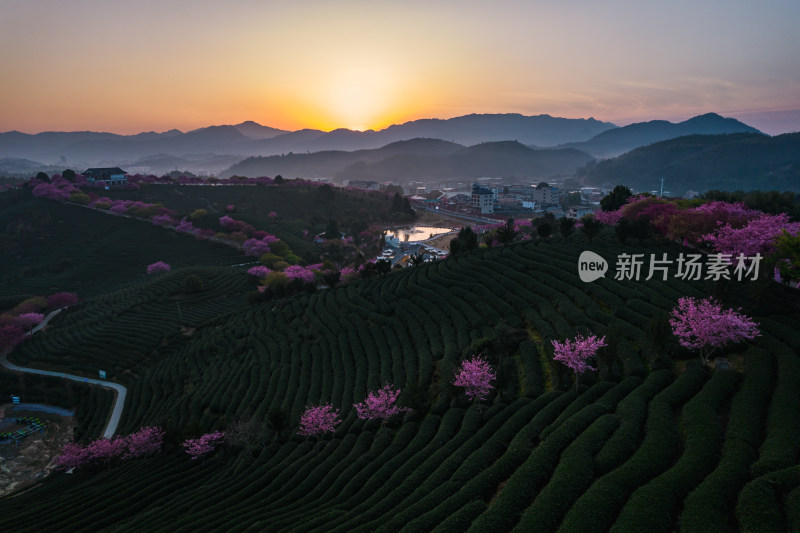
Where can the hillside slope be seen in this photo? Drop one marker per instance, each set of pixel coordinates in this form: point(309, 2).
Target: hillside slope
point(644, 448)
point(617, 141)
point(420, 158)
point(742, 161)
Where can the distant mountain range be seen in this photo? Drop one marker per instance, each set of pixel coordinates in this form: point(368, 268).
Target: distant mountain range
point(218, 149)
point(745, 161)
point(617, 141)
point(430, 159)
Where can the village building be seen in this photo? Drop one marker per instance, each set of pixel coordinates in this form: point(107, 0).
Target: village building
point(482, 199)
point(112, 175)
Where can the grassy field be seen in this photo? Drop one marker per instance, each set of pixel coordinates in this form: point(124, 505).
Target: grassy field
point(653, 441)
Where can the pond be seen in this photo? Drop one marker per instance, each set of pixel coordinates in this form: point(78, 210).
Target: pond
point(416, 233)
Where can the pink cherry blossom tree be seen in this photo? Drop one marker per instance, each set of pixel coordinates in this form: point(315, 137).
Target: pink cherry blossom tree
point(147, 441)
point(758, 236)
point(185, 226)
point(162, 220)
point(62, 299)
point(106, 450)
point(203, 445)
point(380, 405)
point(73, 455)
point(158, 266)
point(259, 271)
point(28, 320)
point(306, 273)
point(576, 353)
point(704, 325)
point(256, 247)
point(318, 419)
point(475, 375)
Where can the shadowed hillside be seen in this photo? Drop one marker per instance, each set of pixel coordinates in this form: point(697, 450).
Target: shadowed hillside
point(651, 442)
point(742, 161)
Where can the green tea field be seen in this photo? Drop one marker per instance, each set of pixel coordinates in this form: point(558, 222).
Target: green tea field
point(652, 441)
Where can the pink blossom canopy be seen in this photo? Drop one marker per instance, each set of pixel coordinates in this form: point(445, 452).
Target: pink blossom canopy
point(318, 419)
point(701, 324)
point(380, 404)
point(475, 375)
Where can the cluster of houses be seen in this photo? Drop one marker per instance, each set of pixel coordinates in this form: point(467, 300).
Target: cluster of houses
point(111, 175)
point(518, 201)
point(402, 254)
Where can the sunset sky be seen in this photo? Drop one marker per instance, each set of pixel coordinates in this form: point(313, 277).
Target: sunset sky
point(127, 67)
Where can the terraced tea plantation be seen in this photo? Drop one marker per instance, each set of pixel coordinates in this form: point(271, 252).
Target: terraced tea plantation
point(649, 443)
point(49, 246)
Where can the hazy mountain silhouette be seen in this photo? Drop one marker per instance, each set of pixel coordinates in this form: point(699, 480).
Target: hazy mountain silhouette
point(254, 130)
point(419, 159)
point(617, 141)
point(745, 161)
point(215, 146)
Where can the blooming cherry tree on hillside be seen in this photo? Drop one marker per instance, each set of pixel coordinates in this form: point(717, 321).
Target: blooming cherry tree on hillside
point(162, 220)
point(704, 325)
point(758, 236)
point(106, 450)
point(204, 445)
point(318, 419)
point(259, 271)
point(475, 376)
point(28, 320)
point(576, 353)
point(158, 266)
point(73, 455)
point(147, 441)
point(62, 299)
point(380, 405)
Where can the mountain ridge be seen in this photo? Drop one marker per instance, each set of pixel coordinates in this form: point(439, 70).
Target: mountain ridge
point(745, 161)
point(205, 149)
point(612, 143)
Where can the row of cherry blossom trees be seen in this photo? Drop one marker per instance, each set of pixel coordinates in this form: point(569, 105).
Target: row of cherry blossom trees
point(474, 374)
point(725, 228)
point(147, 441)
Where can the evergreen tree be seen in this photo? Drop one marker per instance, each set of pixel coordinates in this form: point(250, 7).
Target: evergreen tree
point(506, 234)
point(590, 226)
point(566, 226)
point(466, 241)
point(544, 230)
point(332, 230)
point(616, 198)
point(397, 203)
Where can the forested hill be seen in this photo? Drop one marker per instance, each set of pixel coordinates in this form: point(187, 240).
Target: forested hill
point(617, 141)
point(420, 158)
point(653, 441)
point(742, 161)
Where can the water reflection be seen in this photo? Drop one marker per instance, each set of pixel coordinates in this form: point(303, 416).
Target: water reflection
point(416, 233)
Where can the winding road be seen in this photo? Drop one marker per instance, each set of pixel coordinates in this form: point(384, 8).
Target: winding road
point(120, 390)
